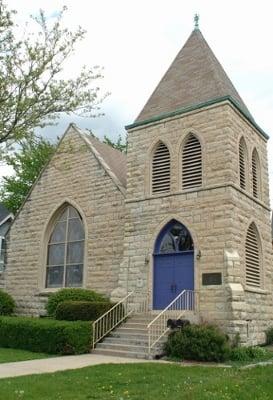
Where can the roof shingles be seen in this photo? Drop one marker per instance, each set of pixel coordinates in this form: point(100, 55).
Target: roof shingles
point(194, 77)
point(113, 159)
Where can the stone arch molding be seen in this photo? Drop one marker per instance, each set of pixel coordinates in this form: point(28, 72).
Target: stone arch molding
point(164, 222)
point(154, 236)
point(179, 154)
point(255, 154)
point(149, 160)
point(56, 211)
point(185, 136)
point(260, 247)
point(242, 140)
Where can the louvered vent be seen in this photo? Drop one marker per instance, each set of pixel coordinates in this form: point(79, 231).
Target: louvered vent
point(242, 164)
point(161, 169)
point(192, 163)
point(255, 187)
point(252, 258)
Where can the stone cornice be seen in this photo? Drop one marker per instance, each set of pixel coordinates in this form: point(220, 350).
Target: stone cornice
point(199, 106)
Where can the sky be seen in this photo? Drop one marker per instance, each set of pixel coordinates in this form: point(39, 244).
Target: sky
point(136, 41)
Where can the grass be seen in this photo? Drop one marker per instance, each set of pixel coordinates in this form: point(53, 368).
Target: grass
point(12, 355)
point(143, 382)
point(268, 356)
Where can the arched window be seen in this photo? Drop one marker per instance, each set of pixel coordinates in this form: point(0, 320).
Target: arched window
point(192, 163)
point(252, 257)
point(161, 169)
point(174, 238)
point(242, 163)
point(65, 251)
point(255, 174)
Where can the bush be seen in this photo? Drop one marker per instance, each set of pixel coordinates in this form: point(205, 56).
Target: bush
point(198, 342)
point(71, 294)
point(81, 310)
point(247, 353)
point(269, 336)
point(45, 335)
point(7, 304)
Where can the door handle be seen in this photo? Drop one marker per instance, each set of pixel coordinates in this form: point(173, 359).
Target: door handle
point(173, 287)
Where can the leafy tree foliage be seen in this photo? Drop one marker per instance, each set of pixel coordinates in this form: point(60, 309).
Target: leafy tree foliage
point(32, 90)
point(120, 144)
point(27, 164)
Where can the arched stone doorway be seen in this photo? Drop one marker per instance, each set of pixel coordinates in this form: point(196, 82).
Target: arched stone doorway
point(173, 264)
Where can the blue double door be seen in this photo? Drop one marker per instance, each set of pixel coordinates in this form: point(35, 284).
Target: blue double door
point(173, 273)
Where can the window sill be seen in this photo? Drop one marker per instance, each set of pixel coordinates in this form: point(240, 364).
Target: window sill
point(46, 292)
point(204, 287)
point(256, 290)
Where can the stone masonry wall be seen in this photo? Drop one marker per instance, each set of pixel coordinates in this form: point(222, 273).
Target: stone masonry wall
point(217, 215)
point(73, 175)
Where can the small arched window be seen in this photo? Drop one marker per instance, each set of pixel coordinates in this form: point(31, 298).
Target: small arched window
point(161, 169)
point(252, 257)
point(255, 174)
point(242, 163)
point(191, 163)
point(65, 251)
point(174, 238)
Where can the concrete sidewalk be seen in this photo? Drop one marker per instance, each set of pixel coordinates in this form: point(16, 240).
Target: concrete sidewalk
point(20, 368)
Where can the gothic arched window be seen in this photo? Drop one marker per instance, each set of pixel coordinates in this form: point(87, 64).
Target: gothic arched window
point(161, 169)
point(252, 257)
point(175, 238)
point(242, 163)
point(65, 251)
point(191, 163)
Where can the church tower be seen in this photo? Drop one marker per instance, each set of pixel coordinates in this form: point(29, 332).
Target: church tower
point(197, 204)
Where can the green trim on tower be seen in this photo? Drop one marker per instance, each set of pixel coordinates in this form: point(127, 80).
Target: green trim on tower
point(197, 107)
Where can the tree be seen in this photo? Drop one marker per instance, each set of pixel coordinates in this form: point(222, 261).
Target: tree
point(27, 163)
point(120, 144)
point(32, 90)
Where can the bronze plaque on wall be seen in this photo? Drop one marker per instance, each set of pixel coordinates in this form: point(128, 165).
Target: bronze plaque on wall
point(213, 278)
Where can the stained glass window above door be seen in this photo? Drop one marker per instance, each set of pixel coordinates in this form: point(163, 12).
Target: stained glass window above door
point(175, 238)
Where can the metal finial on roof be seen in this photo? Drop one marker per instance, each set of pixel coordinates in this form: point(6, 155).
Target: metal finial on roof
point(196, 21)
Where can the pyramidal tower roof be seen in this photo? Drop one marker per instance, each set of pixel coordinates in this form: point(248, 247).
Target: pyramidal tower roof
point(194, 77)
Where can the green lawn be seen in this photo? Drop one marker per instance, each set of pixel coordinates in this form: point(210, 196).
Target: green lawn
point(12, 355)
point(143, 382)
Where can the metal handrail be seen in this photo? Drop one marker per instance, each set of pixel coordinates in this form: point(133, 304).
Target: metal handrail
point(118, 313)
point(158, 326)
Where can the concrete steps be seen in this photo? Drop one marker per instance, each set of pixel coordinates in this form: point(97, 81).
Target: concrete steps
point(130, 339)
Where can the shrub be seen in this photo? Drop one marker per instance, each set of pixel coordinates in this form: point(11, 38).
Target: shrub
point(45, 335)
point(81, 310)
point(198, 342)
point(246, 353)
point(71, 294)
point(7, 304)
point(269, 336)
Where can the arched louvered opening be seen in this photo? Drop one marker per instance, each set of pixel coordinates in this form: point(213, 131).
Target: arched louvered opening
point(192, 163)
point(161, 169)
point(255, 174)
point(252, 257)
point(242, 163)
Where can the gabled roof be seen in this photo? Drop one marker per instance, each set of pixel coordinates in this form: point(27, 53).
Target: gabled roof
point(194, 77)
point(113, 161)
point(5, 214)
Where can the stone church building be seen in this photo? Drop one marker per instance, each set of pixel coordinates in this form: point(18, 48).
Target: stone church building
point(186, 209)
